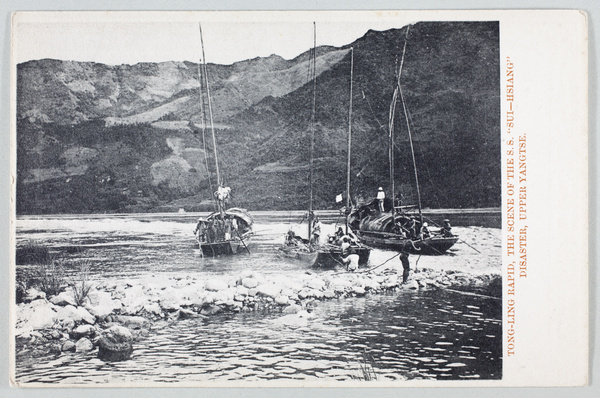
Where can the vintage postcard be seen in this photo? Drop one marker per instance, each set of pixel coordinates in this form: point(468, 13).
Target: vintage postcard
point(299, 199)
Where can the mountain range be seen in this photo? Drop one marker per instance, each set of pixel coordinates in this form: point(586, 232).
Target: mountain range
point(134, 138)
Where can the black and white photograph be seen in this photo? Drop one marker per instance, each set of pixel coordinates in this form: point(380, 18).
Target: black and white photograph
point(256, 198)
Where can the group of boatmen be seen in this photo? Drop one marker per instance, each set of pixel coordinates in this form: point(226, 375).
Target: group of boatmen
point(412, 229)
point(407, 227)
point(219, 228)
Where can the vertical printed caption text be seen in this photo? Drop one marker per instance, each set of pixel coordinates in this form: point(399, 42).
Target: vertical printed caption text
point(515, 208)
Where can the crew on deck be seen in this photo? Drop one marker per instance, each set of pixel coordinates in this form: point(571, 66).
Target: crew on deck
point(446, 230)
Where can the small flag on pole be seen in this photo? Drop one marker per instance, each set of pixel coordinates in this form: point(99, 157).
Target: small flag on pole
point(338, 198)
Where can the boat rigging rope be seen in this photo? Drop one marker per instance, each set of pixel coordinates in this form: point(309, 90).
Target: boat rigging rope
point(364, 271)
point(380, 265)
point(460, 240)
point(381, 126)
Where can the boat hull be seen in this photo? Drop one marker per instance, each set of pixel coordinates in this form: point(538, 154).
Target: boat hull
point(332, 257)
point(305, 256)
point(224, 248)
point(325, 257)
point(434, 245)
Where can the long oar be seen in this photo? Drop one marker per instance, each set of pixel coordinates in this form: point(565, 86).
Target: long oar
point(242, 240)
point(460, 240)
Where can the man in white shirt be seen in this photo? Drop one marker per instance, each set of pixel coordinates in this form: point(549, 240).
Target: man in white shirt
point(351, 262)
point(380, 198)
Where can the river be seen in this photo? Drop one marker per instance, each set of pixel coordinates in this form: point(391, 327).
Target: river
point(402, 335)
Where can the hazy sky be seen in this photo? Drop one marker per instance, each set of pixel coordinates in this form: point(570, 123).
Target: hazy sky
point(126, 37)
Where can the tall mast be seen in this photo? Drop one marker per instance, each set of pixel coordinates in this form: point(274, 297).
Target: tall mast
point(203, 116)
point(212, 127)
point(312, 125)
point(391, 145)
point(412, 149)
point(397, 90)
point(349, 136)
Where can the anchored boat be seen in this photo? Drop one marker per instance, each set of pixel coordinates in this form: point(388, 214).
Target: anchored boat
point(383, 224)
point(225, 231)
point(339, 248)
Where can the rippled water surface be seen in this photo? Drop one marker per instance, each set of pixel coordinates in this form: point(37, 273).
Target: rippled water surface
point(436, 334)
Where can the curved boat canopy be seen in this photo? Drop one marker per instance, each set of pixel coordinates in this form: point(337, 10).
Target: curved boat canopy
point(382, 222)
point(244, 219)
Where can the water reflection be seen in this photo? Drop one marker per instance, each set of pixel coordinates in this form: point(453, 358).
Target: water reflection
point(437, 334)
point(399, 336)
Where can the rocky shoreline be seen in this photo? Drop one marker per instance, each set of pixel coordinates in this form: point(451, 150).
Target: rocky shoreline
point(117, 313)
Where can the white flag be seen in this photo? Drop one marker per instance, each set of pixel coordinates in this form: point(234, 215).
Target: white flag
point(338, 198)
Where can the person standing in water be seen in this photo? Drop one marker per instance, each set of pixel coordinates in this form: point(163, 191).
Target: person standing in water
point(405, 266)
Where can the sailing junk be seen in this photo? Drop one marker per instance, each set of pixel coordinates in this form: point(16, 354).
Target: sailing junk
point(338, 249)
point(226, 231)
point(382, 224)
point(399, 230)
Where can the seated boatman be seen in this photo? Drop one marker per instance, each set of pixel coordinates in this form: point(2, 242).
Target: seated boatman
point(424, 231)
point(446, 229)
point(345, 246)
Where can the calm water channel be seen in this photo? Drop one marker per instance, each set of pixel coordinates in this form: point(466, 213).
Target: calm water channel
point(433, 334)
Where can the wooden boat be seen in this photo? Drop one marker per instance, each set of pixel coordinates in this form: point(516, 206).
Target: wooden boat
point(226, 231)
point(393, 232)
point(388, 226)
point(238, 240)
point(325, 255)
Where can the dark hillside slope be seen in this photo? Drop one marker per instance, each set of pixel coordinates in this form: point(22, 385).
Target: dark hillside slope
point(100, 138)
point(450, 82)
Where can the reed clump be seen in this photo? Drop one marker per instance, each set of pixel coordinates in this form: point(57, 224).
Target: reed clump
point(80, 282)
point(51, 278)
point(48, 273)
point(366, 368)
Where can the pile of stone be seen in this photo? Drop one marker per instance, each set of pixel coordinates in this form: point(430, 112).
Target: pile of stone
point(113, 309)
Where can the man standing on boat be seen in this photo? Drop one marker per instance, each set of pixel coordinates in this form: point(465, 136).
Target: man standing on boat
point(200, 230)
point(316, 231)
point(380, 198)
point(221, 194)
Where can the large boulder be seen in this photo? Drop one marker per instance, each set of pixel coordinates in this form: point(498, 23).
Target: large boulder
point(68, 346)
point(315, 283)
point(83, 345)
point(69, 313)
point(116, 344)
point(134, 299)
point(153, 308)
point(268, 289)
point(33, 294)
point(249, 283)
point(63, 298)
point(83, 331)
point(101, 304)
point(216, 285)
point(133, 322)
point(39, 314)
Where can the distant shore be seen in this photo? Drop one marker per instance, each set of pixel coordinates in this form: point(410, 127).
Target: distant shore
point(490, 217)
